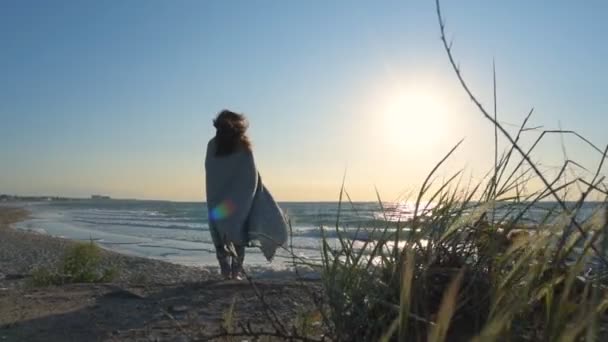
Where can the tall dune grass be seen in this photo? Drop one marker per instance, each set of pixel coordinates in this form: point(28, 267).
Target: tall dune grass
point(472, 267)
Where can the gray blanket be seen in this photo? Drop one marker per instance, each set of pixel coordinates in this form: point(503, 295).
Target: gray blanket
point(241, 209)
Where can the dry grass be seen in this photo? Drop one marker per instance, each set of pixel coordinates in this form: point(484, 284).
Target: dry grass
point(10, 215)
point(473, 266)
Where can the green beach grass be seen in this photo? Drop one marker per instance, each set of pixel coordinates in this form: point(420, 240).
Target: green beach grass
point(80, 264)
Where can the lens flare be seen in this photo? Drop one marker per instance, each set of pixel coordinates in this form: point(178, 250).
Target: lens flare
point(222, 210)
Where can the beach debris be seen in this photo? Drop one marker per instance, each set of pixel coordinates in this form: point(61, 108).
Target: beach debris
point(123, 294)
point(180, 338)
point(12, 276)
point(178, 308)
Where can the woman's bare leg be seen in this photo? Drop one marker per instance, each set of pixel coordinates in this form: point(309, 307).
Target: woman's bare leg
point(237, 261)
point(223, 257)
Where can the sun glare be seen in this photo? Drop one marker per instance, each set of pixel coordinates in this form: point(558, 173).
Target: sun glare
point(415, 119)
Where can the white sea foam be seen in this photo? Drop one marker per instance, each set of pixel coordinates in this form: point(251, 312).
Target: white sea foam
point(179, 232)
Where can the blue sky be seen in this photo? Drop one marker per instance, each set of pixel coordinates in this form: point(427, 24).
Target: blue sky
point(117, 97)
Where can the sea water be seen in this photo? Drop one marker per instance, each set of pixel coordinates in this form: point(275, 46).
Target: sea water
point(178, 232)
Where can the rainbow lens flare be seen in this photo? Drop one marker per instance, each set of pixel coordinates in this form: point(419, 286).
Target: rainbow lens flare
point(222, 210)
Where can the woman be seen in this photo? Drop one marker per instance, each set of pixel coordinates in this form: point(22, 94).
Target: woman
point(240, 208)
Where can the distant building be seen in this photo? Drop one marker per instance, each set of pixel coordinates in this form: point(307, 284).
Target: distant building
point(98, 197)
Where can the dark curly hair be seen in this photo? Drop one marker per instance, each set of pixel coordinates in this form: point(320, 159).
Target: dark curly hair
point(230, 134)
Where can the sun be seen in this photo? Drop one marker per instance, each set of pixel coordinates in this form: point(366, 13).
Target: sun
point(415, 119)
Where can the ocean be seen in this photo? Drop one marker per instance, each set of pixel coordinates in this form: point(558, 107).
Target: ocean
point(178, 232)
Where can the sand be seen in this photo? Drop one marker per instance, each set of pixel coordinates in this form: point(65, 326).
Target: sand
point(150, 300)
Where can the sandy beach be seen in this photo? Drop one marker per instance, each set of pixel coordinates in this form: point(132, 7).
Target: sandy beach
point(149, 300)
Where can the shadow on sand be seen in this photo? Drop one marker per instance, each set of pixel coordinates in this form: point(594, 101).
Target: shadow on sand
point(107, 312)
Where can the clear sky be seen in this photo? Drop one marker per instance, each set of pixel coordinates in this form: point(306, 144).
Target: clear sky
point(117, 97)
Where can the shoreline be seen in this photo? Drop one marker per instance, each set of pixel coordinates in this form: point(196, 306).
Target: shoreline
point(149, 300)
point(23, 251)
point(178, 235)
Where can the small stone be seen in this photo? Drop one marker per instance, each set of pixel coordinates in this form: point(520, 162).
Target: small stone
point(178, 308)
point(181, 338)
point(123, 294)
